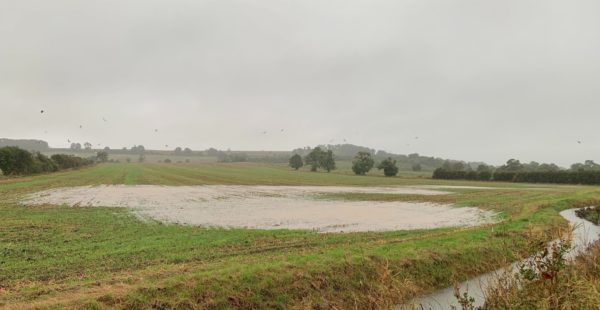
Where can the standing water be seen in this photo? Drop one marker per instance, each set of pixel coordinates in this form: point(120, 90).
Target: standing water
point(584, 234)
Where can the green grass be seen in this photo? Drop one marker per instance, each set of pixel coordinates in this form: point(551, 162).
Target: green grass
point(105, 257)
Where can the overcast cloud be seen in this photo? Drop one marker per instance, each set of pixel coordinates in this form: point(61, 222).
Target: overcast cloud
point(474, 80)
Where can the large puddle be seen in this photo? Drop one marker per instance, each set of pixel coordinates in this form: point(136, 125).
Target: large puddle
point(270, 207)
point(584, 234)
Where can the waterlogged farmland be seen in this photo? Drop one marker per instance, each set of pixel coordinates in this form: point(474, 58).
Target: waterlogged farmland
point(107, 257)
point(270, 207)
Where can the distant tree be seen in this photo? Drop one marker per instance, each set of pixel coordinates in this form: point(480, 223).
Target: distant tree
point(548, 168)
point(138, 149)
point(512, 165)
point(88, 146)
point(102, 156)
point(327, 161)
point(231, 157)
point(317, 158)
point(314, 158)
point(296, 161)
point(75, 146)
point(460, 166)
point(178, 150)
point(389, 167)
point(107, 149)
point(342, 151)
point(532, 166)
point(588, 165)
point(592, 165)
point(447, 165)
point(141, 149)
point(453, 165)
point(167, 161)
point(212, 152)
point(578, 167)
point(484, 168)
point(362, 163)
point(187, 151)
point(417, 167)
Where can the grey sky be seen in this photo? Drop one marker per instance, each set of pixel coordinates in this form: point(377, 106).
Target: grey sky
point(474, 80)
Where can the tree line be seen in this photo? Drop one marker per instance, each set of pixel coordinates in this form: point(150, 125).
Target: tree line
point(17, 161)
point(362, 162)
point(515, 171)
point(347, 151)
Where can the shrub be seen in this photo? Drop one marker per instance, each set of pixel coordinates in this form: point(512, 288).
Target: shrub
point(296, 162)
point(69, 161)
point(313, 159)
point(389, 167)
point(102, 156)
point(317, 158)
point(15, 161)
point(327, 161)
point(362, 163)
point(41, 163)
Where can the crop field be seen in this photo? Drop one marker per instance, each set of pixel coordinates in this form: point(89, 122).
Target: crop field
point(58, 256)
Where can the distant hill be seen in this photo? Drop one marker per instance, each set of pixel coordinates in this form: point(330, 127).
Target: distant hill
point(404, 162)
point(31, 145)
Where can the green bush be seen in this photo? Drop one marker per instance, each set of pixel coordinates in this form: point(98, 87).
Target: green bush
point(362, 163)
point(69, 161)
point(296, 162)
point(41, 163)
point(15, 161)
point(389, 167)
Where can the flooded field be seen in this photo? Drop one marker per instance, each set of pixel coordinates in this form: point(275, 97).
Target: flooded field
point(270, 207)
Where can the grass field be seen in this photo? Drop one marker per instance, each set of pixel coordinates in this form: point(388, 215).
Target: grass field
point(64, 257)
